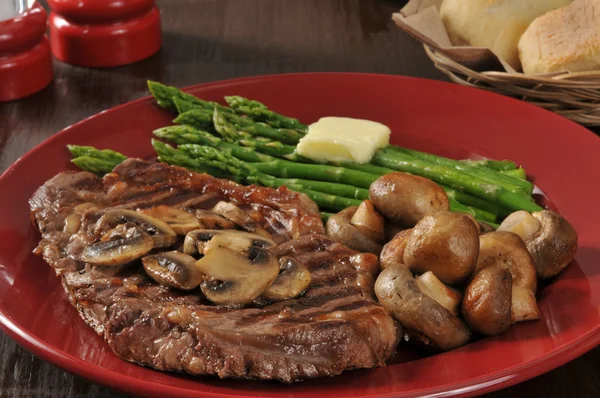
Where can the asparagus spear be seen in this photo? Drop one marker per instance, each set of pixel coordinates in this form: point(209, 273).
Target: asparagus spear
point(199, 118)
point(499, 165)
point(164, 97)
point(104, 154)
point(93, 165)
point(458, 180)
point(213, 158)
point(170, 155)
point(259, 111)
point(515, 173)
point(95, 160)
point(491, 176)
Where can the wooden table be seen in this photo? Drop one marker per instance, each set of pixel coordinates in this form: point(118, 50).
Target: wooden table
point(207, 40)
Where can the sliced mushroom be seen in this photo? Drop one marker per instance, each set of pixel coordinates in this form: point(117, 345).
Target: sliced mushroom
point(161, 233)
point(399, 293)
point(200, 240)
point(173, 269)
point(445, 243)
point(368, 221)
point(448, 297)
point(237, 278)
point(405, 199)
point(524, 305)
point(340, 229)
point(73, 220)
point(393, 251)
point(487, 301)
point(293, 279)
point(240, 218)
point(507, 250)
point(554, 246)
point(209, 220)
point(179, 220)
point(119, 246)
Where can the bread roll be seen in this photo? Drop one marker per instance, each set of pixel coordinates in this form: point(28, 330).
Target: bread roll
point(567, 39)
point(494, 24)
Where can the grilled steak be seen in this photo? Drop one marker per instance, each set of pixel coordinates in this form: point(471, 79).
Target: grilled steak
point(335, 326)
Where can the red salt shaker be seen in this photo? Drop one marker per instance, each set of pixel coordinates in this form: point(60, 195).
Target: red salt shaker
point(104, 33)
point(25, 59)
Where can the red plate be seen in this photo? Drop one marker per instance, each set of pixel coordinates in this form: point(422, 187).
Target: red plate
point(438, 117)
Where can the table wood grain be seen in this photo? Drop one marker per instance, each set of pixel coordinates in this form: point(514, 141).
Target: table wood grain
point(207, 40)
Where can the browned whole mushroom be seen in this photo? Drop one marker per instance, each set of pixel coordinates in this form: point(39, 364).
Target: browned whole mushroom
point(550, 239)
point(487, 301)
point(293, 279)
point(399, 293)
point(445, 243)
point(506, 250)
point(121, 245)
point(161, 233)
point(369, 222)
point(448, 297)
point(173, 269)
point(405, 199)
point(393, 251)
point(524, 305)
point(340, 229)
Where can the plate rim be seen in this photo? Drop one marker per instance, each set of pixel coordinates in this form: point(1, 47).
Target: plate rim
point(121, 382)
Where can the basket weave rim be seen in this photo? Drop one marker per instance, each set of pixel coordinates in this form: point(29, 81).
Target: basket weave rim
point(558, 78)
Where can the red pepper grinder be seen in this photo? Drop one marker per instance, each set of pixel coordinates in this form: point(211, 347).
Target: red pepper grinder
point(104, 33)
point(25, 59)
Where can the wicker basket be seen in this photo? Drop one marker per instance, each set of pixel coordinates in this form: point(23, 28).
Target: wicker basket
point(573, 95)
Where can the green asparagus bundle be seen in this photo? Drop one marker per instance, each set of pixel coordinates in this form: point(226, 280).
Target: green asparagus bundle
point(280, 167)
point(495, 187)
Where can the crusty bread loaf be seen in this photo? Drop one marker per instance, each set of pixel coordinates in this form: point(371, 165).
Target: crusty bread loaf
point(494, 24)
point(567, 39)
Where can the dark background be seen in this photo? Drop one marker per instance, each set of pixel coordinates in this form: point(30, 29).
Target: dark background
point(207, 40)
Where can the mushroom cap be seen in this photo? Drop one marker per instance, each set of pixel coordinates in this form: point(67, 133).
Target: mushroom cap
point(340, 229)
point(119, 246)
point(555, 245)
point(393, 251)
point(487, 300)
point(237, 278)
point(293, 279)
point(161, 233)
point(173, 269)
point(405, 199)
point(444, 243)
point(507, 250)
point(399, 293)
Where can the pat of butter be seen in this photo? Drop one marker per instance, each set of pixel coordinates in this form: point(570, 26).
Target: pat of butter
point(341, 139)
